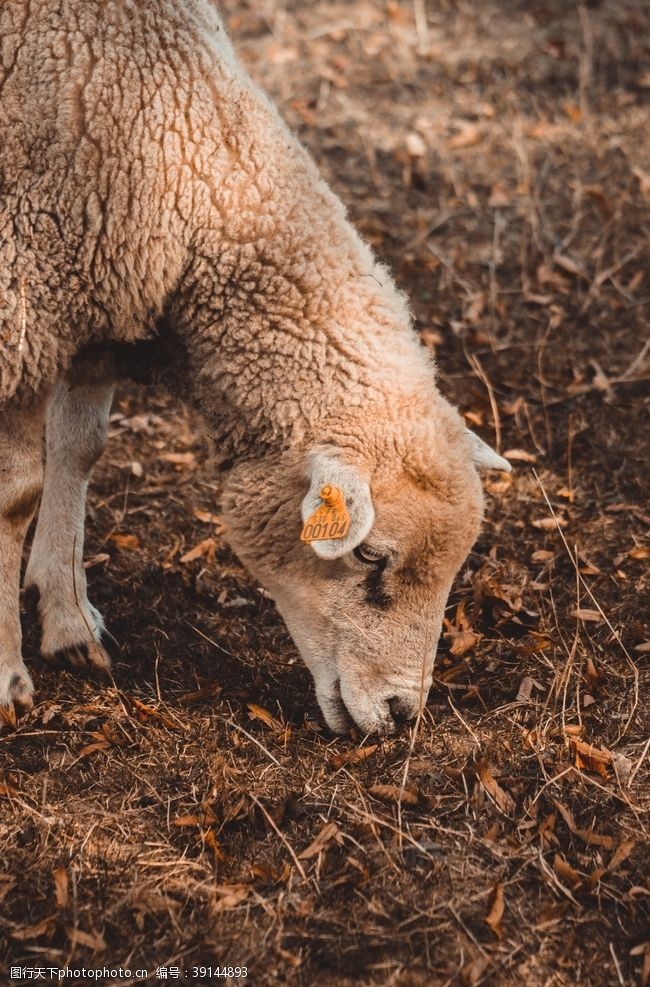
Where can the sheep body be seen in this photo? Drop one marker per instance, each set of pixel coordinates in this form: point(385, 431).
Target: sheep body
point(144, 175)
point(152, 196)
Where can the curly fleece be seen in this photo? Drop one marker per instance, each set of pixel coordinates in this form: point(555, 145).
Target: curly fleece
point(148, 187)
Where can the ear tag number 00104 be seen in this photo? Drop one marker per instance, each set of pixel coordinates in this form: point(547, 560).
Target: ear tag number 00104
point(330, 520)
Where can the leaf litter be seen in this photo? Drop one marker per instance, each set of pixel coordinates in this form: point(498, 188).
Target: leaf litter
point(198, 807)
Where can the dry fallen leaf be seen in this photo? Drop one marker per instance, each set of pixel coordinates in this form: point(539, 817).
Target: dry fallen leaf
point(566, 873)
point(181, 460)
point(502, 799)
point(150, 712)
point(327, 833)
point(393, 793)
point(587, 615)
point(462, 637)
point(229, 898)
point(206, 517)
point(43, 928)
point(542, 555)
point(205, 818)
point(60, 876)
point(353, 756)
point(549, 523)
point(621, 853)
point(206, 548)
point(208, 691)
point(590, 758)
point(495, 916)
point(126, 543)
point(93, 940)
point(259, 713)
point(588, 836)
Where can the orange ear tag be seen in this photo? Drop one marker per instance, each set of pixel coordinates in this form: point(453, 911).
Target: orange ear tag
point(330, 520)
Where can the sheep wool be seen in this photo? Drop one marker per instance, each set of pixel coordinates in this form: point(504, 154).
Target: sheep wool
point(156, 211)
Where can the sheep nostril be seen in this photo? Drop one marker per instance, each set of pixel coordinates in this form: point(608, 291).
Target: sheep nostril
point(398, 711)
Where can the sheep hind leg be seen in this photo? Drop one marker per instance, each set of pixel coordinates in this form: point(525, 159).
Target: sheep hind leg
point(21, 479)
point(77, 427)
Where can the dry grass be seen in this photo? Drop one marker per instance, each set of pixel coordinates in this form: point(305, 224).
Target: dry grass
point(498, 159)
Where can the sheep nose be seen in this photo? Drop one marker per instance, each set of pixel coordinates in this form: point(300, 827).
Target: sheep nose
point(401, 710)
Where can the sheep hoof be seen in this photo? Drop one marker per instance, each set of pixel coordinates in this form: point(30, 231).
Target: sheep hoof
point(86, 654)
point(16, 691)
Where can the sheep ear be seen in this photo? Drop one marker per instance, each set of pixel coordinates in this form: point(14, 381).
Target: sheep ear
point(351, 516)
point(485, 458)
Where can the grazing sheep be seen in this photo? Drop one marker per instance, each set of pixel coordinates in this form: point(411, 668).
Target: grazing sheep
point(152, 197)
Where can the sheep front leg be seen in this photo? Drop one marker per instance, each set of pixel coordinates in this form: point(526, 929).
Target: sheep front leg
point(21, 479)
point(76, 430)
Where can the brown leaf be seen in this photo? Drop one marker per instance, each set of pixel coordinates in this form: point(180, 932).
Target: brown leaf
point(354, 756)
point(587, 615)
point(588, 836)
point(205, 818)
point(621, 853)
point(502, 799)
point(565, 872)
point(551, 915)
point(495, 915)
point(549, 523)
point(259, 713)
point(43, 928)
point(590, 758)
point(189, 820)
point(271, 875)
point(206, 517)
point(462, 637)
point(7, 790)
point(207, 548)
point(327, 833)
point(542, 555)
point(99, 745)
point(208, 691)
point(93, 940)
point(181, 460)
point(230, 897)
point(125, 543)
point(150, 712)
point(60, 876)
point(393, 793)
point(212, 842)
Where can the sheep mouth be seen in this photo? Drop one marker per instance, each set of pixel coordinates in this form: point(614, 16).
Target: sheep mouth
point(390, 715)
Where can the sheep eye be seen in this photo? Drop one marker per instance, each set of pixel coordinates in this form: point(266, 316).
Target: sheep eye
point(369, 555)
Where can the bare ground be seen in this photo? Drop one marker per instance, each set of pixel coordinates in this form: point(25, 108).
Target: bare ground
point(195, 811)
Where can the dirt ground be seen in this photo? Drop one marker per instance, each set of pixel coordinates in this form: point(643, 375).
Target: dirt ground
point(195, 811)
